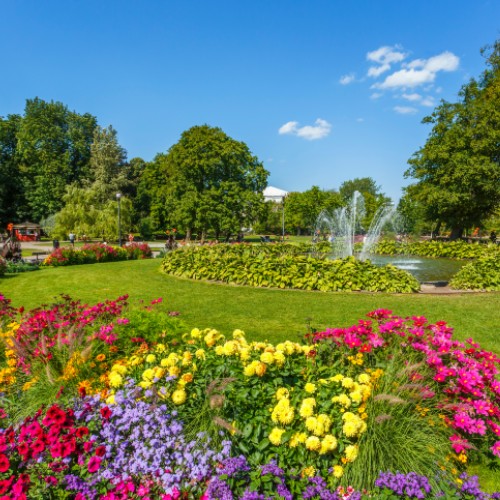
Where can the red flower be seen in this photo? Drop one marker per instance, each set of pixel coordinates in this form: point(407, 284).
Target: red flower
point(100, 451)
point(38, 446)
point(105, 413)
point(4, 463)
point(81, 431)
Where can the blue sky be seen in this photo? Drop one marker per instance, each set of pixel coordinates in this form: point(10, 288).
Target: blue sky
point(322, 91)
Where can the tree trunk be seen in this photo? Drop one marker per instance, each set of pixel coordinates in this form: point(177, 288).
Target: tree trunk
point(188, 234)
point(456, 233)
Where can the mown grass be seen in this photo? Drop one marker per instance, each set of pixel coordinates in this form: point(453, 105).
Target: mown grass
point(263, 314)
point(269, 314)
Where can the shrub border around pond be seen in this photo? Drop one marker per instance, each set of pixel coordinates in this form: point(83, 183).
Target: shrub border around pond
point(284, 266)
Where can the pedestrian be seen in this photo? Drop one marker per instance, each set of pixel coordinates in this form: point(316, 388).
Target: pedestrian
point(72, 239)
point(493, 237)
point(130, 238)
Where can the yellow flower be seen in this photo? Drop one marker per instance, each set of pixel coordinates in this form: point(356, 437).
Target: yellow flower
point(148, 374)
point(195, 333)
point(338, 471)
point(200, 354)
point(311, 423)
point(347, 382)
point(115, 379)
point(111, 400)
point(325, 421)
point(145, 384)
point(219, 350)
point(351, 452)
point(275, 436)
point(313, 443)
point(260, 369)
point(307, 407)
point(356, 396)
point(364, 378)
point(160, 348)
point(150, 358)
point(245, 354)
point(174, 371)
point(282, 392)
point(249, 370)
point(337, 378)
point(329, 443)
point(135, 361)
point(158, 372)
point(179, 396)
point(238, 334)
point(342, 399)
point(350, 429)
point(118, 368)
point(310, 388)
point(279, 358)
point(308, 471)
point(231, 347)
point(267, 357)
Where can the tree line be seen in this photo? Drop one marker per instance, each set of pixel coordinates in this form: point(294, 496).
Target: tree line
point(62, 169)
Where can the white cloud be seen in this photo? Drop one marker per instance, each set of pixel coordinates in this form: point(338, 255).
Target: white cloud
point(310, 132)
point(420, 71)
point(384, 57)
point(428, 101)
point(347, 79)
point(360, 120)
point(405, 110)
point(412, 97)
point(376, 95)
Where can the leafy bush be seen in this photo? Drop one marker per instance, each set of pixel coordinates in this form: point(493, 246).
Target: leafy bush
point(96, 252)
point(283, 266)
point(21, 267)
point(3, 266)
point(482, 274)
point(450, 249)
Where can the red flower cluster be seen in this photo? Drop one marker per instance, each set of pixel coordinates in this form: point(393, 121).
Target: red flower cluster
point(54, 439)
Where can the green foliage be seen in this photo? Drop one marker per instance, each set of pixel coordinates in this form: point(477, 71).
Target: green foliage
point(482, 274)
point(435, 248)
point(457, 170)
point(53, 148)
point(210, 182)
point(3, 266)
point(283, 266)
point(19, 267)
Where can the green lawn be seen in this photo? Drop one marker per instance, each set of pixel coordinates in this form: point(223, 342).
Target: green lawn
point(262, 313)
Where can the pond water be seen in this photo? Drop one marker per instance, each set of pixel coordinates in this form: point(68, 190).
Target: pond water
point(424, 269)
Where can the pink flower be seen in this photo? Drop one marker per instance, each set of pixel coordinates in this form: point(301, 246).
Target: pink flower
point(495, 449)
point(94, 464)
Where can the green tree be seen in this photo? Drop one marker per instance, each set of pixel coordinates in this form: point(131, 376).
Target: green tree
point(12, 201)
point(458, 168)
point(215, 183)
point(373, 197)
point(53, 149)
point(302, 209)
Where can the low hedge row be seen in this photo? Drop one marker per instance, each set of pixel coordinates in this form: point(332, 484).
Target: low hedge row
point(283, 266)
point(97, 252)
point(450, 249)
point(481, 274)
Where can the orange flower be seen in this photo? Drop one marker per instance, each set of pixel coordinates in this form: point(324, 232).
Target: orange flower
point(100, 357)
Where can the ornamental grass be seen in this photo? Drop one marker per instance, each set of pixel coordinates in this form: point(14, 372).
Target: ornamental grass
point(99, 402)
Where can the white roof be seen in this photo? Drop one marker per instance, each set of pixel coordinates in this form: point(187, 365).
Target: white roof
point(274, 193)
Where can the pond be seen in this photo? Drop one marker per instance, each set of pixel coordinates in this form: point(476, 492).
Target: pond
point(423, 268)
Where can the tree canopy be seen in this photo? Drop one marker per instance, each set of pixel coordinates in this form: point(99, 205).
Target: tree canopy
point(458, 168)
point(214, 183)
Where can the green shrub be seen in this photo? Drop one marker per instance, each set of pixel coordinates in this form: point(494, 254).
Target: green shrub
point(3, 266)
point(283, 266)
point(482, 274)
point(449, 249)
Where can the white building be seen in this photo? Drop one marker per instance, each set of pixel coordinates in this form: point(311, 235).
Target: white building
point(272, 193)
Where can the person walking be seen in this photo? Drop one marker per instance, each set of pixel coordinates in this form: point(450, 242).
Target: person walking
point(72, 239)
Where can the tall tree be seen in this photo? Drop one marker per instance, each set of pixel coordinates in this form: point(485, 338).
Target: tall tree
point(216, 183)
point(458, 168)
point(53, 148)
point(107, 162)
point(12, 201)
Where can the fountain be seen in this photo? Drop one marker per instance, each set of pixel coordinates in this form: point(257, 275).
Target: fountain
point(344, 227)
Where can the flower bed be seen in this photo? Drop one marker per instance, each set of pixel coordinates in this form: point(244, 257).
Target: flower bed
point(282, 266)
point(103, 402)
point(97, 252)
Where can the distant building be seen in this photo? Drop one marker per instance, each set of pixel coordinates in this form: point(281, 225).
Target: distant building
point(275, 194)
